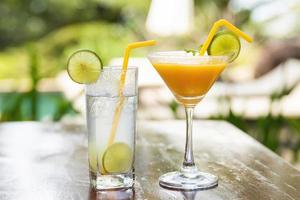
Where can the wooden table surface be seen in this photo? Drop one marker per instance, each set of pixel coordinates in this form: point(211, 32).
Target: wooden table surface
point(46, 161)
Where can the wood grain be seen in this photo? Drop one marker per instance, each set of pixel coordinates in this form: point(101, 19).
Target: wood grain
point(49, 161)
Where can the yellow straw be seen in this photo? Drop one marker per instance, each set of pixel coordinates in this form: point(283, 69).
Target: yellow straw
point(126, 58)
point(120, 103)
point(214, 29)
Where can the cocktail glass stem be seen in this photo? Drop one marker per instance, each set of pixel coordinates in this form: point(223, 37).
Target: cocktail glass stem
point(188, 167)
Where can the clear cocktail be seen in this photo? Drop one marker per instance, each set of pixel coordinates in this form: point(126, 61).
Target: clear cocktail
point(111, 164)
point(111, 100)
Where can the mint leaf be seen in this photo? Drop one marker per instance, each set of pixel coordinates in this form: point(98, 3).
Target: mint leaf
point(193, 51)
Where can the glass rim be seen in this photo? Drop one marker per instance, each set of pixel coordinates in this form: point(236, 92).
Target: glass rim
point(184, 55)
point(118, 67)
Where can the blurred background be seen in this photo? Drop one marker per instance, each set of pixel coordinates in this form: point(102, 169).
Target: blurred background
point(259, 92)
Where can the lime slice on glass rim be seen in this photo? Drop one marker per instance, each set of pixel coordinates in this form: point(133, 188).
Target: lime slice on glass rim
point(84, 66)
point(225, 43)
point(117, 158)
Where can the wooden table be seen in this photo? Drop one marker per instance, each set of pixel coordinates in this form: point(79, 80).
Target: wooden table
point(46, 161)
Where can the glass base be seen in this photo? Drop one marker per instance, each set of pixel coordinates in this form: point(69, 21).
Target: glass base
point(179, 181)
point(111, 182)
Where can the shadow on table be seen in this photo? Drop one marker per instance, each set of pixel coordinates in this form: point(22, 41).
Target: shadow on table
point(128, 194)
point(191, 195)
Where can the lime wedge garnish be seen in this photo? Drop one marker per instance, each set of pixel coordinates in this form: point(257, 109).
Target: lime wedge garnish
point(225, 43)
point(84, 66)
point(117, 158)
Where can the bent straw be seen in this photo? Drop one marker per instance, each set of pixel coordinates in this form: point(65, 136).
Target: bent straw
point(120, 103)
point(214, 29)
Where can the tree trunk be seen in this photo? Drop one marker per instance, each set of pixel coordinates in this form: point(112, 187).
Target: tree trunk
point(275, 53)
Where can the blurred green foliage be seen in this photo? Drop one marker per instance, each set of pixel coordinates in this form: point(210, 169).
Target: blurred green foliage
point(19, 106)
point(33, 105)
point(269, 129)
point(37, 36)
point(59, 27)
point(27, 20)
point(54, 49)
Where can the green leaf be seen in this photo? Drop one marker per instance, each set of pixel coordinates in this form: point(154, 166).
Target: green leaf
point(193, 51)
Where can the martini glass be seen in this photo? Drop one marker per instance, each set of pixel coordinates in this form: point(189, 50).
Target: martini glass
point(189, 78)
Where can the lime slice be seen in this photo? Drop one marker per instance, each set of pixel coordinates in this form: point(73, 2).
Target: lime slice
point(84, 66)
point(117, 158)
point(225, 43)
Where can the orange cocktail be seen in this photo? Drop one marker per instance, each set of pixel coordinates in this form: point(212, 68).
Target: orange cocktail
point(189, 83)
point(188, 77)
